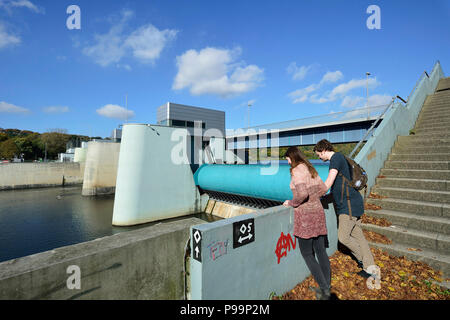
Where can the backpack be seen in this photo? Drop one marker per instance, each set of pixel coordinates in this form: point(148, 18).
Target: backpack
point(357, 174)
point(358, 180)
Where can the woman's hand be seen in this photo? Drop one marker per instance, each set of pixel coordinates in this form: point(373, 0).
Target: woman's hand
point(286, 203)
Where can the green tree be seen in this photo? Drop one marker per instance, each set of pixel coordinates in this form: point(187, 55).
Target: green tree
point(54, 142)
point(8, 149)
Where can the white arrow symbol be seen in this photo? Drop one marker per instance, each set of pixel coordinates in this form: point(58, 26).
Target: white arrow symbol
point(196, 251)
point(248, 237)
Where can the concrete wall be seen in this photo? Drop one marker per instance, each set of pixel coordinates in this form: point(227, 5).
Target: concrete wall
point(154, 178)
point(397, 121)
point(38, 174)
point(100, 170)
point(142, 264)
point(271, 263)
point(80, 155)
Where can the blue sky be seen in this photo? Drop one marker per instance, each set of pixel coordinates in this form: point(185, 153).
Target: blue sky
point(291, 59)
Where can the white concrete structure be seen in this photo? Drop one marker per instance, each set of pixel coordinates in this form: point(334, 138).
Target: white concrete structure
point(100, 170)
point(154, 178)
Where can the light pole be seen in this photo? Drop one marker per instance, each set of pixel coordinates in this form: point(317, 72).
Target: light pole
point(367, 94)
point(248, 114)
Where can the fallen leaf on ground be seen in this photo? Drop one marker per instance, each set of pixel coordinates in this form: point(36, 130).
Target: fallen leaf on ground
point(419, 285)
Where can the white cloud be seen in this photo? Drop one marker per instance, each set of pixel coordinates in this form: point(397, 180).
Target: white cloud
point(374, 100)
point(302, 95)
point(9, 4)
point(379, 100)
point(109, 47)
point(55, 109)
point(115, 112)
point(352, 101)
point(7, 39)
point(342, 89)
point(298, 73)
point(145, 43)
point(216, 71)
point(338, 92)
point(332, 76)
point(10, 108)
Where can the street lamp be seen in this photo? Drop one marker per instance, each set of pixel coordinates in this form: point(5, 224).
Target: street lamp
point(248, 114)
point(367, 94)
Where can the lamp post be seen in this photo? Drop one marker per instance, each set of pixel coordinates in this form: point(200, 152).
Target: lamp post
point(367, 94)
point(248, 115)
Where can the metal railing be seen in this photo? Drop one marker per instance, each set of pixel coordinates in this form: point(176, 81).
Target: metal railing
point(358, 114)
point(372, 127)
point(423, 74)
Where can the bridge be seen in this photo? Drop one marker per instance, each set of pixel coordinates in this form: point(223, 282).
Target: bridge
point(338, 127)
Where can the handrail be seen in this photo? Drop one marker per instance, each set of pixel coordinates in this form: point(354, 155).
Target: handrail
point(420, 78)
point(424, 73)
point(417, 83)
point(372, 127)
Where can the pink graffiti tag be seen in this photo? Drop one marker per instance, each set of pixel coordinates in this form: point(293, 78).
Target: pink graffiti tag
point(218, 249)
point(284, 245)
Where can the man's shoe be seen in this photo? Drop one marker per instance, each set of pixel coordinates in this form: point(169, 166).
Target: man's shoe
point(364, 274)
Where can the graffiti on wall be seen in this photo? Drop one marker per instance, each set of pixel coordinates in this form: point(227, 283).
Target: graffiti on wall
point(284, 245)
point(218, 249)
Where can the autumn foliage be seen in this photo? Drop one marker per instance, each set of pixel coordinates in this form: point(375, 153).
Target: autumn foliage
point(401, 279)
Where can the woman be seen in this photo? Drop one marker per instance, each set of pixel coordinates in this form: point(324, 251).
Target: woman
point(309, 218)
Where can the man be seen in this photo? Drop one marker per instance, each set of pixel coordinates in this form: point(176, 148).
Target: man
point(350, 233)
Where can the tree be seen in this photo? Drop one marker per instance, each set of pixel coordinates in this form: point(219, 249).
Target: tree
point(8, 149)
point(55, 142)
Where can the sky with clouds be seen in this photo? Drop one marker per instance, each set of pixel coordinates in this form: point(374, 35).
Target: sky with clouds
point(289, 59)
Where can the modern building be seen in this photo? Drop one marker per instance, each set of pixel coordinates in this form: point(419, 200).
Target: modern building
point(179, 115)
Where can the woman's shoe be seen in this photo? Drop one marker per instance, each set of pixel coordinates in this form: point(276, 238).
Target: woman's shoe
point(321, 294)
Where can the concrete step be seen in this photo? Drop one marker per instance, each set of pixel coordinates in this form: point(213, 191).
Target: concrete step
point(436, 145)
point(420, 165)
point(441, 94)
point(413, 221)
point(437, 128)
point(436, 107)
point(437, 242)
point(432, 113)
point(443, 84)
point(413, 194)
point(419, 156)
point(432, 209)
point(431, 130)
point(420, 148)
point(430, 116)
point(426, 184)
point(438, 122)
point(424, 139)
point(416, 174)
point(436, 260)
point(443, 134)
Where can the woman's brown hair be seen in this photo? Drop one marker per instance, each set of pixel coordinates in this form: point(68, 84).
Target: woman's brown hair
point(298, 157)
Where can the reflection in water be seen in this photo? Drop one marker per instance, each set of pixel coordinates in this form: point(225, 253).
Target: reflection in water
point(37, 220)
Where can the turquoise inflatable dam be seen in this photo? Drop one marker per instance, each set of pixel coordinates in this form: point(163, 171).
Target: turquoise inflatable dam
point(247, 183)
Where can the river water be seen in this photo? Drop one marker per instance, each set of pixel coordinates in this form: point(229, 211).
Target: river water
point(37, 220)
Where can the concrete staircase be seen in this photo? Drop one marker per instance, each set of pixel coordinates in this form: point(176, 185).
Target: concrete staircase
point(416, 183)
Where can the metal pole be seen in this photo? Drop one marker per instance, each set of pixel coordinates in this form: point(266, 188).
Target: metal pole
point(248, 115)
point(367, 94)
